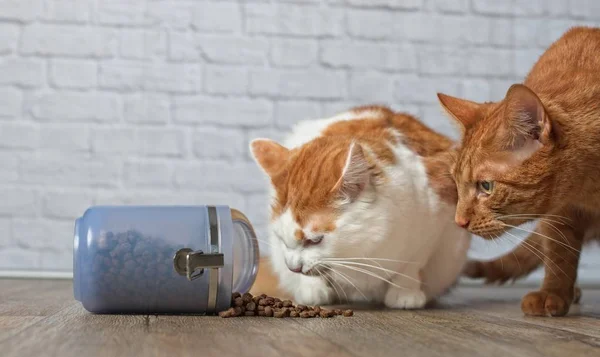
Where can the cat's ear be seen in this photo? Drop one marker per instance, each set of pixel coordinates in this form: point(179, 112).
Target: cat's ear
point(355, 174)
point(465, 112)
point(270, 155)
point(527, 120)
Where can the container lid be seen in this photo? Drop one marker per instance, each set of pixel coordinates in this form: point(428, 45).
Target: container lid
point(246, 254)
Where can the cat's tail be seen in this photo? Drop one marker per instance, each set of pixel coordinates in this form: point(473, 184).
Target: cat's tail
point(267, 282)
point(519, 262)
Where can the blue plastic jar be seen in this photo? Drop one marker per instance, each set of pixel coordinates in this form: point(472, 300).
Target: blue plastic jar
point(162, 259)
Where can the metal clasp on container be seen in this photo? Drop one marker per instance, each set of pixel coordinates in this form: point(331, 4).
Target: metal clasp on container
point(193, 263)
point(187, 262)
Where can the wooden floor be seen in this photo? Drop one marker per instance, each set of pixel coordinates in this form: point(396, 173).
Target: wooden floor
point(40, 318)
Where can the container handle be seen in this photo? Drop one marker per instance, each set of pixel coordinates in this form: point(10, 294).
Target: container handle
point(187, 262)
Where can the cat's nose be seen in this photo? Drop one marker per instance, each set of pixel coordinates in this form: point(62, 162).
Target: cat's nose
point(296, 269)
point(462, 222)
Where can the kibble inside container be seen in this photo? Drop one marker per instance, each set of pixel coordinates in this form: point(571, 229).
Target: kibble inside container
point(162, 259)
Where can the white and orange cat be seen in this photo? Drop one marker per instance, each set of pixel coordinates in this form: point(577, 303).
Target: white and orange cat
point(362, 211)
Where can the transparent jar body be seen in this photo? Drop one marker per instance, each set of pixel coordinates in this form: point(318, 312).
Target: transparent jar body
point(124, 258)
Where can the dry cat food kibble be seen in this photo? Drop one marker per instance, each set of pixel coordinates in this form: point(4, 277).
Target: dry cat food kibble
point(267, 306)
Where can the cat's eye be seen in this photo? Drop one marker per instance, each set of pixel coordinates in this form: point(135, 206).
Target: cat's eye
point(486, 187)
point(313, 241)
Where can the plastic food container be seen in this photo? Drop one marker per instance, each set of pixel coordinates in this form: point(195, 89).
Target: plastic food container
point(162, 259)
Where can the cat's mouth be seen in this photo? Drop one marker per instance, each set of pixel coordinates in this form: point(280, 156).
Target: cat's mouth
point(492, 229)
point(313, 272)
point(488, 233)
point(488, 236)
point(316, 270)
point(323, 271)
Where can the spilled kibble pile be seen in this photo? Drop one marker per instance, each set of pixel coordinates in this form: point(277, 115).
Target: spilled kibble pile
point(267, 306)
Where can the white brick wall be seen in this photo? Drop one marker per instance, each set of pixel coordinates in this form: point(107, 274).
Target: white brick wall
point(154, 102)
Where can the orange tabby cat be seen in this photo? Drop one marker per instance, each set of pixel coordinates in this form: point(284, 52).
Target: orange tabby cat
point(536, 155)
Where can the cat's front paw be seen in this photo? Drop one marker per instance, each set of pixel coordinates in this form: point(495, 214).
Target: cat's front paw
point(545, 303)
point(405, 299)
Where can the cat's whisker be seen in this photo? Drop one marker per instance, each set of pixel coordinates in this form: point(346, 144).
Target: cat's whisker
point(547, 221)
point(534, 215)
point(564, 238)
point(322, 275)
point(531, 249)
point(370, 273)
point(481, 232)
point(556, 220)
point(499, 248)
point(531, 216)
point(539, 218)
point(373, 274)
point(388, 275)
point(332, 282)
point(381, 266)
point(555, 229)
point(526, 244)
point(542, 235)
point(502, 238)
point(513, 253)
point(495, 240)
point(382, 269)
point(366, 258)
point(347, 278)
